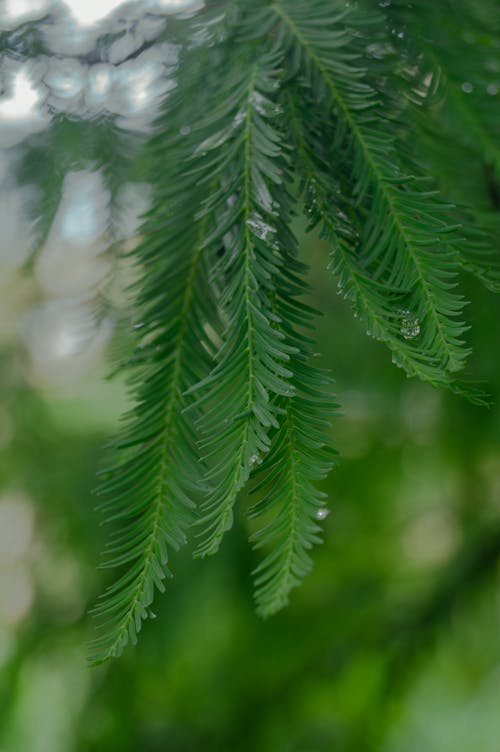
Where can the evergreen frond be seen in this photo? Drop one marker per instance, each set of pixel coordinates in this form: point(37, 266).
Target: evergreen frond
point(251, 366)
point(404, 236)
point(456, 96)
point(152, 489)
point(381, 308)
point(300, 455)
point(277, 102)
point(292, 501)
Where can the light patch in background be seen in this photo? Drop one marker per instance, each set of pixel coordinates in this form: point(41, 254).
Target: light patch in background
point(99, 82)
point(77, 27)
point(431, 538)
point(140, 86)
point(60, 581)
point(64, 82)
point(16, 534)
point(13, 13)
point(70, 262)
point(51, 690)
point(17, 236)
point(64, 340)
point(64, 336)
point(16, 526)
point(6, 428)
point(4, 167)
point(16, 594)
point(17, 291)
point(83, 215)
point(175, 6)
point(7, 646)
point(89, 12)
point(23, 100)
point(490, 475)
point(451, 704)
point(131, 90)
point(133, 200)
point(21, 111)
point(421, 407)
point(62, 35)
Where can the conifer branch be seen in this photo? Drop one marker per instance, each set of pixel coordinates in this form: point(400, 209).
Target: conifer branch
point(271, 97)
point(152, 491)
point(404, 239)
point(453, 88)
point(380, 308)
point(250, 366)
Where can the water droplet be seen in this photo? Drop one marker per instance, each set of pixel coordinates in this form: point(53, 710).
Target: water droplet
point(492, 89)
point(322, 514)
point(385, 3)
point(185, 130)
point(151, 614)
point(260, 228)
point(410, 324)
point(255, 459)
point(467, 87)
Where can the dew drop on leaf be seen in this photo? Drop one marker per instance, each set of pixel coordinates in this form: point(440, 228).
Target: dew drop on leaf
point(322, 513)
point(260, 228)
point(410, 324)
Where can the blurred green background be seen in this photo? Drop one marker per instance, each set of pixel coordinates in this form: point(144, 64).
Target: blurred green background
point(392, 643)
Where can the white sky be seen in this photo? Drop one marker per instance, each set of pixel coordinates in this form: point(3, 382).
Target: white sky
point(85, 12)
point(62, 334)
point(23, 100)
point(61, 82)
point(88, 12)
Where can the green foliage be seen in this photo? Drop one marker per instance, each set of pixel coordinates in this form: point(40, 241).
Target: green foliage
point(280, 103)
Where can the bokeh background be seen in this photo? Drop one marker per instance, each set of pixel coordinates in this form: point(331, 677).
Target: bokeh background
point(392, 644)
